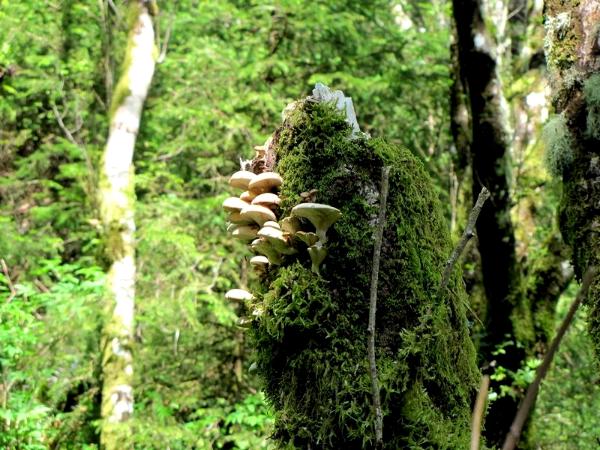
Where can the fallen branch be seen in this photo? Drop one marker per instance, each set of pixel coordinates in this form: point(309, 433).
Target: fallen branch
point(466, 236)
point(512, 437)
point(478, 412)
point(385, 172)
point(13, 291)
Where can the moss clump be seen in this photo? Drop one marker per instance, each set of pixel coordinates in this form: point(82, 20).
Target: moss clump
point(311, 339)
point(591, 91)
point(559, 145)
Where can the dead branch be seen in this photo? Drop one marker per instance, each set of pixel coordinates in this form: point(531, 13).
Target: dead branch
point(478, 412)
point(466, 236)
point(512, 437)
point(385, 172)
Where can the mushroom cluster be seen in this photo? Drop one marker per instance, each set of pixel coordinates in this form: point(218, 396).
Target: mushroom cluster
point(253, 218)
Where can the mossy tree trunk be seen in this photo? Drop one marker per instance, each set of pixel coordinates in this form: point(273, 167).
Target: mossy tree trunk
point(116, 191)
point(490, 147)
point(311, 331)
point(572, 51)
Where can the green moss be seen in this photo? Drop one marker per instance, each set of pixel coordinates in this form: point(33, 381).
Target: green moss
point(591, 91)
point(312, 337)
point(122, 91)
point(561, 40)
point(559, 145)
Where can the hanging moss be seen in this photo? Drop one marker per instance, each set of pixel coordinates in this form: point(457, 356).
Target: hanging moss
point(311, 338)
point(559, 145)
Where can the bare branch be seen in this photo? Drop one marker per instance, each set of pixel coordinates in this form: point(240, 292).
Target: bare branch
point(512, 437)
point(13, 291)
point(165, 44)
point(478, 411)
point(466, 237)
point(63, 127)
point(385, 174)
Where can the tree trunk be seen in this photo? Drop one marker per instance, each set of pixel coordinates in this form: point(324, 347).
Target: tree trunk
point(311, 331)
point(573, 136)
point(116, 190)
point(490, 167)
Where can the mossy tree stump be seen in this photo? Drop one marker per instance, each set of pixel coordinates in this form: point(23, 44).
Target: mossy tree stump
point(311, 338)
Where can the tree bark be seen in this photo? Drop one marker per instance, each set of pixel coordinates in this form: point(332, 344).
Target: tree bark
point(573, 144)
point(116, 191)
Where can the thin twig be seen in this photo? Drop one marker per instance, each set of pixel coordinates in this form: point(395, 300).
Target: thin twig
point(63, 127)
point(163, 48)
point(466, 237)
point(13, 291)
point(512, 437)
point(478, 411)
point(385, 182)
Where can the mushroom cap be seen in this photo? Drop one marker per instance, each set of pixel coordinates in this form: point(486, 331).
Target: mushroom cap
point(267, 199)
point(248, 196)
point(307, 237)
point(290, 225)
point(234, 204)
point(244, 232)
point(277, 240)
point(241, 179)
point(265, 182)
point(320, 215)
point(244, 322)
point(236, 218)
point(272, 224)
point(263, 247)
point(259, 261)
point(258, 214)
point(239, 295)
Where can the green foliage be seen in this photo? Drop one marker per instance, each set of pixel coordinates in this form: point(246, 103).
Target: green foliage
point(314, 330)
point(38, 390)
point(565, 416)
point(591, 91)
point(559, 146)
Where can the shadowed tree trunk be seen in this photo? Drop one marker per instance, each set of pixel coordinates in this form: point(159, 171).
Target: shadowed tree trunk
point(490, 167)
point(116, 191)
point(573, 136)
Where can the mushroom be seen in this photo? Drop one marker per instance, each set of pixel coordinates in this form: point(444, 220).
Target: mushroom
point(241, 179)
point(234, 204)
point(267, 199)
point(265, 182)
point(239, 295)
point(272, 224)
point(244, 232)
point(244, 322)
point(321, 216)
point(236, 218)
point(263, 247)
point(277, 240)
point(307, 237)
point(290, 225)
point(258, 214)
point(317, 254)
point(260, 262)
point(247, 196)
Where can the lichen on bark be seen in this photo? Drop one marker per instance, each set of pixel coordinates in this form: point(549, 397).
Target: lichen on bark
point(311, 337)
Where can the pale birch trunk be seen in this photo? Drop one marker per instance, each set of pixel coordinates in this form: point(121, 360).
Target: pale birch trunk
point(117, 212)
